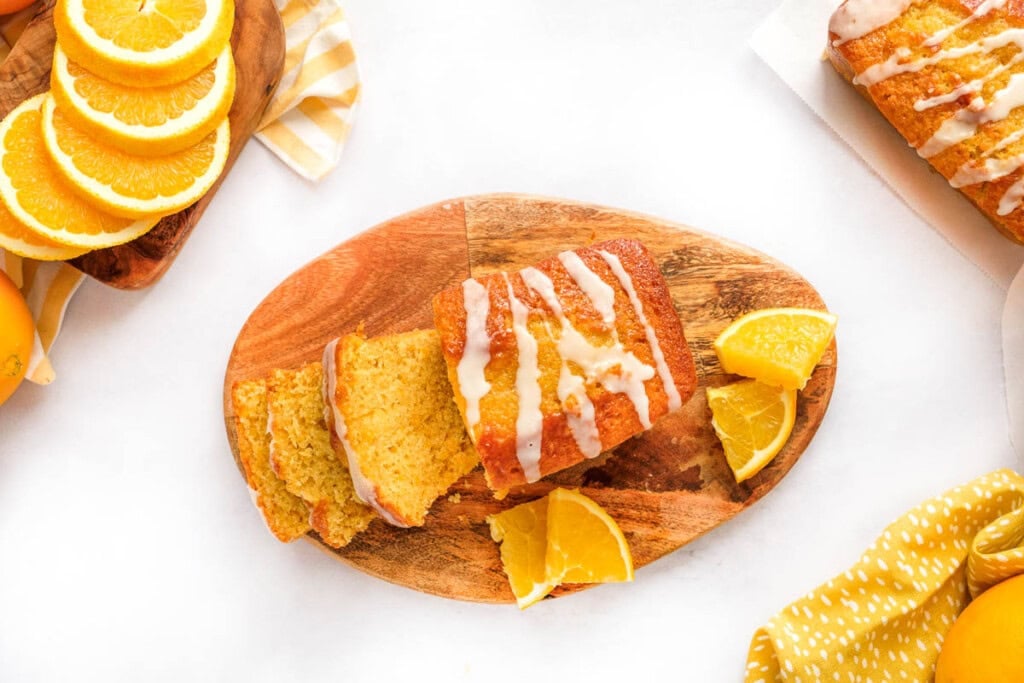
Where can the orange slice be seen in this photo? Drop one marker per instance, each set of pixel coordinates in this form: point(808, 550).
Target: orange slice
point(144, 43)
point(18, 239)
point(128, 185)
point(585, 545)
point(38, 196)
point(522, 532)
point(778, 346)
point(144, 121)
point(753, 421)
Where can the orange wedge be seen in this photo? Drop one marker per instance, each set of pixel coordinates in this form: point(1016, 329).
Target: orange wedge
point(522, 532)
point(36, 194)
point(753, 421)
point(585, 545)
point(144, 43)
point(777, 346)
point(144, 121)
point(127, 185)
point(18, 239)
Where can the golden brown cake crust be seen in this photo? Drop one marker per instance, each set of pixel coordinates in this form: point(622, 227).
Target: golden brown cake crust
point(615, 414)
point(895, 96)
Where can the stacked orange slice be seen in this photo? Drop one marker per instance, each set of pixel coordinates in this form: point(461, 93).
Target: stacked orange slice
point(134, 128)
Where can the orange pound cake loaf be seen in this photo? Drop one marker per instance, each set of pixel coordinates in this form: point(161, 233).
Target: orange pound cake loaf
point(949, 76)
point(561, 361)
point(286, 515)
point(393, 419)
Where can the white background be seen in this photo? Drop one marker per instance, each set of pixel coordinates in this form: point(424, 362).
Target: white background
point(129, 549)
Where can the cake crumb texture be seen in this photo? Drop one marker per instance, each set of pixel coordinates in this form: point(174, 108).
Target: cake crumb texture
point(286, 515)
point(301, 455)
point(402, 425)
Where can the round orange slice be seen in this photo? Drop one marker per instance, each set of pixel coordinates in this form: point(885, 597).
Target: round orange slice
point(37, 195)
point(144, 43)
point(144, 121)
point(126, 184)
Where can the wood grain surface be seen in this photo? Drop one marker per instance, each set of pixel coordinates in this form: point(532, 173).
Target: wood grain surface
point(258, 45)
point(665, 487)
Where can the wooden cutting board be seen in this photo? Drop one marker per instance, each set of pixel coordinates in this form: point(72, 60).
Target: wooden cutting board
point(665, 487)
point(259, 47)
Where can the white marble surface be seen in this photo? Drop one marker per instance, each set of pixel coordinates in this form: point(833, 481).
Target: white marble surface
point(129, 549)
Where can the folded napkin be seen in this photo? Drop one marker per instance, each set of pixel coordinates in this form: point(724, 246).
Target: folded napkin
point(886, 616)
point(305, 125)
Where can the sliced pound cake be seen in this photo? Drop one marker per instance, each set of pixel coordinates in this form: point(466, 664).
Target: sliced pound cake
point(287, 516)
point(302, 456)
point(395, 421)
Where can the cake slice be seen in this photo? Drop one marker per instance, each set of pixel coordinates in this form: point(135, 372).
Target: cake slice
point(559, 362)
point(949, 76)
point(394, 420)
point(286, 515)
point(302, 456)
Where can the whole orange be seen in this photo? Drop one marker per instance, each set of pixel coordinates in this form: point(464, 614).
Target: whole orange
point(17, 332)
point(986, 643)
point(9, 6)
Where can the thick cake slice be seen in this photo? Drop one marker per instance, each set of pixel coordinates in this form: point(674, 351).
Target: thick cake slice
point(301, 455)
point(949, 76)
point(287, 516)
point(564, 360)
point(395, 420)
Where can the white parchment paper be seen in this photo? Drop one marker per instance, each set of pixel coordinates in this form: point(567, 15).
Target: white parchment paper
point(792, 42)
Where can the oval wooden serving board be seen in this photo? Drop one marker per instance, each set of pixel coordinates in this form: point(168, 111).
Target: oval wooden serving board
point(258, 46)
point(665, 487)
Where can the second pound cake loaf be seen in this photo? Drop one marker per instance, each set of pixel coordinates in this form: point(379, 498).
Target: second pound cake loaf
point(561, 361)
point(394, 420)
point(949, 76)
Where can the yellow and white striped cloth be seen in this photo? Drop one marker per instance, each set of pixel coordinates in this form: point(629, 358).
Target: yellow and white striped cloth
point(312, 112)
point(305, 125)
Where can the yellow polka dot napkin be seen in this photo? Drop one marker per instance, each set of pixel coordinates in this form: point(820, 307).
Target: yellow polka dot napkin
point(305, 125)
point(884, 619)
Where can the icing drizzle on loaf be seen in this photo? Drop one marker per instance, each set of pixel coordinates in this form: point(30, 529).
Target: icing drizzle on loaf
point(476, 353)
point(530, 421)
point(967, 120)
point(583, 362)
point(857, 18)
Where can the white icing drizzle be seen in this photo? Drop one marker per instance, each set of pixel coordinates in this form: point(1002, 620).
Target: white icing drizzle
point(530, 420)
point(572, 347)
point(600, 293)
point(965, 123)
point(664, 374)
point(857, 18)
point(980, 11)
point(1012, 198)
point(969, 88)
point(364, 488)
point(630, 372)
point(476, 352)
